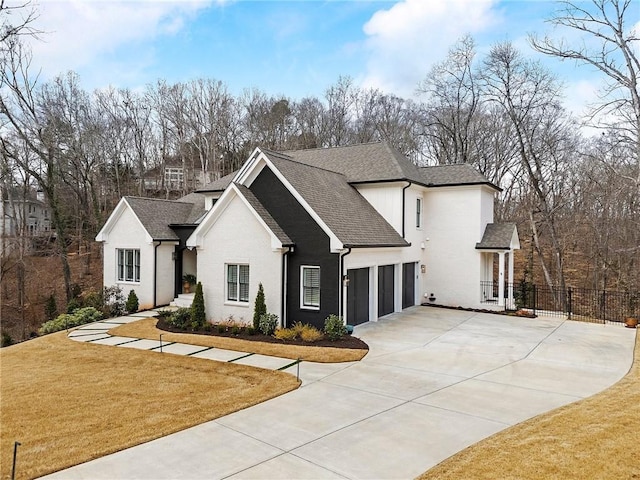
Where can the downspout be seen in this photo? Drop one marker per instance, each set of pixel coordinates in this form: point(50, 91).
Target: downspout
point(403, 204)
point(341, 299)
point(155, 273)
point(285, 267)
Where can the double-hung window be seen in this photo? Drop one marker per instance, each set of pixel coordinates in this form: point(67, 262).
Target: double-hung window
point(238, 283)
point(128, 265)
point(418, 213)
point(310, 287)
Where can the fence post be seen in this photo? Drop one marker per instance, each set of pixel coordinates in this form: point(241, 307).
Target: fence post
point(570, 305)
point(535, 298)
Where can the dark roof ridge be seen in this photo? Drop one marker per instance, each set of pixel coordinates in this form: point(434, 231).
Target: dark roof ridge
point(156, 199)
point(287, 158)
point(338, 146)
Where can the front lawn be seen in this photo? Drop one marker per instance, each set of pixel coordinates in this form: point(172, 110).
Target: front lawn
point(68, 402)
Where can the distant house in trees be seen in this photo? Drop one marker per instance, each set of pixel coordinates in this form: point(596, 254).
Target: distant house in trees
point(23, 215)
point(357, 231)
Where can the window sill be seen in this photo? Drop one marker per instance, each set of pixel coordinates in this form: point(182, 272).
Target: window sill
point(127, 282)
point(232, 303)
point(309, 307)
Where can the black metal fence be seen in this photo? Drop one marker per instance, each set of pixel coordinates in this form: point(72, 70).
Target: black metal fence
point(575, 303)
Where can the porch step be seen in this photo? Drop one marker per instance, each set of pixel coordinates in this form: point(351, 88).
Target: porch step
point(183, 300)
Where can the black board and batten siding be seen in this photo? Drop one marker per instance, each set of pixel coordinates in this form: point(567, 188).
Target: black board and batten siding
point(311, 248)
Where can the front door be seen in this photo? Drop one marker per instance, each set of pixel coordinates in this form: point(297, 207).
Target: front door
point(408, 284)
point(358, 296)
point(385, 290)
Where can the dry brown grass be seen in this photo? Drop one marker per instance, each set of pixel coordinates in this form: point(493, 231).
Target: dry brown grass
point(597, 437)
point(146, 328)
point(68, 402)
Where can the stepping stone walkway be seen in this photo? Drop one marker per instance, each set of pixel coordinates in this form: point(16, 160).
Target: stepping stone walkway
point(97, 332)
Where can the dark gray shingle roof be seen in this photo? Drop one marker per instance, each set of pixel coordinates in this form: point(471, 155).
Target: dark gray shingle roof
point(218, 185)
point(198, 210)
point(367, 162)
point(449, 175)
point(347, 214)
point(156, 215)
point(497, 236)
point(265, 215)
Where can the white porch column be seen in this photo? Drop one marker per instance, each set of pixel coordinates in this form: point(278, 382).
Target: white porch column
point(501, 279)
point(510, 291)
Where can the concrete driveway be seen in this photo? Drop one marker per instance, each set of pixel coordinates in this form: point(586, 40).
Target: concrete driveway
point(434, 382)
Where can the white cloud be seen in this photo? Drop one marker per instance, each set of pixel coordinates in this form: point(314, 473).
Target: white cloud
point(81, 34)
point(405, 40)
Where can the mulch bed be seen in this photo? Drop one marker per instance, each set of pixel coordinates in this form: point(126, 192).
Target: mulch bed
point(347, 341)
point(509, 313)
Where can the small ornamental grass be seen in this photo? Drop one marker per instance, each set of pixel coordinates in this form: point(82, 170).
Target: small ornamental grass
point(305, 332)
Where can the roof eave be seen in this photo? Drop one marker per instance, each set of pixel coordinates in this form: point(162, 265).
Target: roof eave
point(378, 245)
point(463, 184)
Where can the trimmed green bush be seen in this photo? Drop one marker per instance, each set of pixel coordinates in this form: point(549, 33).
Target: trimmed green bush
point(259, 307)
point(113, 301)
point(334, 327)
point(268, 323)
point(132, 302)
point(69, 320)
point(73, 305)
point(50, 308)
point(181, 318)
point(198, 316)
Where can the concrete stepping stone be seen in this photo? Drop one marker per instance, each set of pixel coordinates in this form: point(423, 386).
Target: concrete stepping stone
point(220, 354)
point(263, 361)
point(181, 348)
point(143, 344)
point(90, 337)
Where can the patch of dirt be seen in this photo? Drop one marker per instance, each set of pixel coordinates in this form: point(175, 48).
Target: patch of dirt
point(347, 341)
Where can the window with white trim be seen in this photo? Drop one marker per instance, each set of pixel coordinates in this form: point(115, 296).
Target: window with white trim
point(238, 283)
point(310, 287)
point(418, 213)
point(128, 265)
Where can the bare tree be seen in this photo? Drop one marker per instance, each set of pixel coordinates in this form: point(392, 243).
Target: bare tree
point(610, 44)
point(453, 100)
point(528, 95)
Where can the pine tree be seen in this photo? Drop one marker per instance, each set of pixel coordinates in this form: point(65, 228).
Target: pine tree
point(132, 302)
point(198, 316)
point(259, 308)
point(50, 308)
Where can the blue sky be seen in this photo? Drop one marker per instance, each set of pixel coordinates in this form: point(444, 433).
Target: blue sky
point(294, 48)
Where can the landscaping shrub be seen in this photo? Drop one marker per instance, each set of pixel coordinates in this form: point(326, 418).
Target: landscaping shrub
point(268, 323)
point(113, 301)
point(68, 320)
point(93, 299)
point(73, 305)
point(6, 340)
point(285, 334)
point(310, 333)
point(259, 307)
point(334, 327)
point(50, 308)
point(132, 302)
point(198, 316)
point(181, 318)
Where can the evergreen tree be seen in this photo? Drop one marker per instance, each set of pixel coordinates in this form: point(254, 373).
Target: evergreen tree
point(198, 316)
point(50, 308)
point(132, 302)
point(259, 308)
